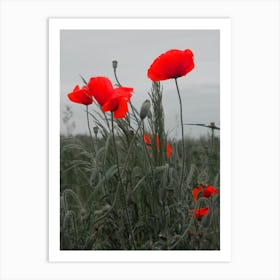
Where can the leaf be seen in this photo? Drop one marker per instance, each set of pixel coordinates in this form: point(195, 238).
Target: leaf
point(70, 193)
point(108, 175)
point(83, 79)
point(138, 184)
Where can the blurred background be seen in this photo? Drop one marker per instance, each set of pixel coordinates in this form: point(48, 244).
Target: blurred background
point(90, 53)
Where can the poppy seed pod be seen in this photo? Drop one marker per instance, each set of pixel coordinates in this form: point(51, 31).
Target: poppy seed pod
point(145, 108)
point(115, 64)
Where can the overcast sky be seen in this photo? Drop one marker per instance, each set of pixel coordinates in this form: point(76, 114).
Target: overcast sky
point(90, 53)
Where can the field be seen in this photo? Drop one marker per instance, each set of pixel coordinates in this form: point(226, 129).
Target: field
point(129, 186)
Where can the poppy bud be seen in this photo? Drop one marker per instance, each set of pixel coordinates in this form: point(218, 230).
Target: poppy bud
point(145, 108)
point(115, 64)
point(95, 130)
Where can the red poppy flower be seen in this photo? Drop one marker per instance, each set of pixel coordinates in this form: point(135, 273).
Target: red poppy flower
point(158, 143)
point(110, 99)
point(117, 102)
point(199, 213)
point(196, 191)
point(147, 140)
point(101, 89)
point(168, 150)
point(171, 64)
point(80, 95)
point(209, 190)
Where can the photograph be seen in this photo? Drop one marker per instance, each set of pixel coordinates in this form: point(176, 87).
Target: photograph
point(140, 139)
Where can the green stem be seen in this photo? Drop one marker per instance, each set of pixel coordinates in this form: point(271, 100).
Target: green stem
point(91, 138)
point(115, 73)
point(182, 236)
point(124, 169)
point(121, 183)
point(151, 176)
point(133, 111)
point(212, 141)
point(119, 85)
point(182, 132)
point(146, 149)
point(132, 107)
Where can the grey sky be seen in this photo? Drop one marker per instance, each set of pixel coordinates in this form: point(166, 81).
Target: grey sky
point(90, 53)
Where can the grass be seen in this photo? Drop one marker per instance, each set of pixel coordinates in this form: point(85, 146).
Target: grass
point(136, 202)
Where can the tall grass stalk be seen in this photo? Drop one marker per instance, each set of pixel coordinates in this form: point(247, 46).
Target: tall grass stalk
point(93, 148)
point(123, 195)
point(182, 132)
point(122, 174)
point(134, 111)
point(134, 197)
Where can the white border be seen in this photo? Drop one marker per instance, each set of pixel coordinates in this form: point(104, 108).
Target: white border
point(55, 25)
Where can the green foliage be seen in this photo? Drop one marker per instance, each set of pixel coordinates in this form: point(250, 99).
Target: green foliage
point(101, 196)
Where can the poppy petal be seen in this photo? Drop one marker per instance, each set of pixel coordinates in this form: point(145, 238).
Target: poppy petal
point(210, 190)
point(199, 213)
point(80, 96)
point(117, 103)
point(121, 110)
point(147, 139)
point(101, 89)
point(123, 92)
point(76, 88)
point(111, 105)
point(168, 150)
point(158, 143)
point(195, 192)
